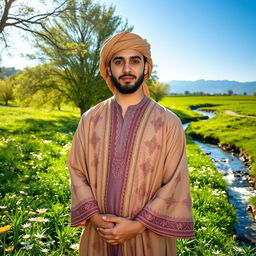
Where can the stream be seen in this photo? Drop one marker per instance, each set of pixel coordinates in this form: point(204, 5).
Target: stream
point(235, 174)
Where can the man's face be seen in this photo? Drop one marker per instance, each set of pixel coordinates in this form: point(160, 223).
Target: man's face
point(127, 69)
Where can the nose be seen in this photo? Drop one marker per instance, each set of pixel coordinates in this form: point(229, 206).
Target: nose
point(126, 67)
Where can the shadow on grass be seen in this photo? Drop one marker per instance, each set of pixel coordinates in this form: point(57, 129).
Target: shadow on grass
point(43, 128)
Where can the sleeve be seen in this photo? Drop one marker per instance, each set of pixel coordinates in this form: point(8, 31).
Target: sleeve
point(169, 212)
point(83, 203)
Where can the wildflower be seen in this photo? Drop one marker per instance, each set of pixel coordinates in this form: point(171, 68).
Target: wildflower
point(216, 252)
point(238, 249)
point(26, 225)
point(217, 208)
point(41, 219)
point(32, 213)
point(9, 249)
point(28, 247)
point(3, 207)
point(39, 235)
point(27, 236)
point(41, 210)
point(44, 250)
point(202, 229)
point(74, 246)
point(5, 229)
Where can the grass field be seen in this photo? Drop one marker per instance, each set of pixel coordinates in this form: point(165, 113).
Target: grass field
point(35, 196)
point(235, 131)
point(245, 105)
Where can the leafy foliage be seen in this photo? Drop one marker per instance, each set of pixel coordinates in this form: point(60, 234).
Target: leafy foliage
point(72, 43)
point(158, 90)
point(6, 90)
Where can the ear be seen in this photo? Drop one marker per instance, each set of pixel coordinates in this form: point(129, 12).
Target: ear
point(146, 68)
point(109, 71)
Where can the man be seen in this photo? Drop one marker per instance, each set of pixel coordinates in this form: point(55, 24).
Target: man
point(128, 168)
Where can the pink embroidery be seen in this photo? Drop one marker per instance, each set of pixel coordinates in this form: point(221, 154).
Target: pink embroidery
point(94, 139)
point(83, 211)
point(187, 201)
point(174, 227)
point(152, 145)
point(95, 119)
point(157, 123)
point(146, 167)
point(95, 162)
point(141, 191)
point(170, 201)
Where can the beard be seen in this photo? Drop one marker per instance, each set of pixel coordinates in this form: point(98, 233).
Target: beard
point(128, 88)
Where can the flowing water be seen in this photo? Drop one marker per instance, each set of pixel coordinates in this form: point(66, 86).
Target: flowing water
point(235, 173)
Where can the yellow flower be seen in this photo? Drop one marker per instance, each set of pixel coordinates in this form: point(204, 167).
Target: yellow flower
point(9, 249)
point(5, 229)
point(32, 213)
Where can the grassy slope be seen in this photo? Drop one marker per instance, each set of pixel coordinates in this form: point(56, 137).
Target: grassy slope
point(33, 151)
point(237, 131)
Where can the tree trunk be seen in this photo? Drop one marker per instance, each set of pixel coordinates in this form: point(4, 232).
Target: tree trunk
point(6, 102)
point(82, 109)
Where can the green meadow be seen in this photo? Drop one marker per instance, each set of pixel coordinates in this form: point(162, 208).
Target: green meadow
point(237, 132)
point(35, 195)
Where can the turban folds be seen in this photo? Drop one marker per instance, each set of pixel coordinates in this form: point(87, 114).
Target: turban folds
point(124, 41)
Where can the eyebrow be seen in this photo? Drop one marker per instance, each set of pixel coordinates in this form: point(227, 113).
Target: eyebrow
point(132, 57)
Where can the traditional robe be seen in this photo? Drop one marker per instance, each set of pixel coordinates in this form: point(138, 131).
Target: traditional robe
point(132, 167)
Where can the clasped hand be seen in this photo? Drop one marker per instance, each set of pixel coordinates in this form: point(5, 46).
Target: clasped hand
point(117, 230)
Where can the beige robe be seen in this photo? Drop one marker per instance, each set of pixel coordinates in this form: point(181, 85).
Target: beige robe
point(132, 167)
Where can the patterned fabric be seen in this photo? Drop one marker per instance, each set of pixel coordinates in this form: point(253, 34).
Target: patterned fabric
point(133, 166)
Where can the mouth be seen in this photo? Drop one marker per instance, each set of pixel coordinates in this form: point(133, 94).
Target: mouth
point(127, 78)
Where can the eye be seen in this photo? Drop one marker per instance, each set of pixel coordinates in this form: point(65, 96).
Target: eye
point(135, 61)
point(118, 62)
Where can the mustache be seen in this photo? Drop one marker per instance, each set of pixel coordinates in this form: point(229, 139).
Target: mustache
point(127, 75)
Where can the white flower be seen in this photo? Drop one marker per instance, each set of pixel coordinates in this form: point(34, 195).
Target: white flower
point(3, 207)
point(41, 210)
point(216, 252)
point(74, 246)
point(39, 235)
point(38, 219)
point(44, 250)
point(238, 249)
point(27, 236)
point(28, 247)
point(26, 225)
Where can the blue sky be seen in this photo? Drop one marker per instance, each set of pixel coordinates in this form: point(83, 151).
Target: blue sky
point(192, 39)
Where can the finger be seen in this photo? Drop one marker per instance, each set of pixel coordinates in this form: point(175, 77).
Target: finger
point(106, 231)
point(111, 219)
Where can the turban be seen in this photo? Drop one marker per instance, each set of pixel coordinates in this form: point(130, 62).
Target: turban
point(124, 41)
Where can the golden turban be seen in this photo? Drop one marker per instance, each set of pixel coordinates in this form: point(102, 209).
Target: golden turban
point(123, 41)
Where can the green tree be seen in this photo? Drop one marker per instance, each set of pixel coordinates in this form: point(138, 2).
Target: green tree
point(74, 49)
point(230, 92)
point(158, 90)
point(38, 86)
point(6, 90)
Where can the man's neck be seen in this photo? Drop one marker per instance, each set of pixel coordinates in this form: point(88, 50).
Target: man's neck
point(126, 100)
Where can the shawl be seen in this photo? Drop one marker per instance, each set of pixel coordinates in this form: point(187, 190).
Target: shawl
point(122, 41)
point(144, 171)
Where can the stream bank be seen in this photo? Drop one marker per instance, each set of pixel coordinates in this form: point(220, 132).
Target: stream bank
point(233, 164)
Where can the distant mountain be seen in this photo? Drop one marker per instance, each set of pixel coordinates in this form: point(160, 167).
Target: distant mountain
point(212, 86)
point(7, 71)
